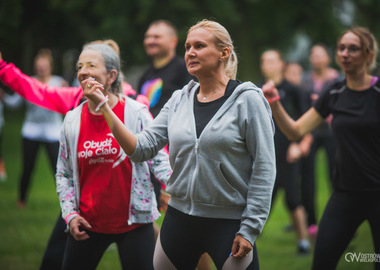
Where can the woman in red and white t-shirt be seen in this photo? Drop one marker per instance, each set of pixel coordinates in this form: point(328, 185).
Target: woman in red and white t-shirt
point(105, 197)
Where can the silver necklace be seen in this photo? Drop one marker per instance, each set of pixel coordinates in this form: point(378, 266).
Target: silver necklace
point(212, 95)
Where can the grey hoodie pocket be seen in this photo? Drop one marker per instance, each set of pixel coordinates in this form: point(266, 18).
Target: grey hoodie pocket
point(213, 187)
point(178, 184)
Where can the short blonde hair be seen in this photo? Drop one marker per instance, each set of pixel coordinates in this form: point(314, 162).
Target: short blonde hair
point(222, 40)
point(168, 24)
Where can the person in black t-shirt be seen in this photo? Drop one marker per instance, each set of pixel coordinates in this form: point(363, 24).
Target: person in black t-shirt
point(166, 74)
point(167, 71)
point(355, 106)
point(304, 152)
point(272, 66)
point(316, 81)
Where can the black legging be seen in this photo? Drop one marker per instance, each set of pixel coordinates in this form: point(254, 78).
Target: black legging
point(344, 213)
point(307, 169)
point(55, 249)
point(29, 152)
point(184, 238)
point(135, 248)
point(286, 178)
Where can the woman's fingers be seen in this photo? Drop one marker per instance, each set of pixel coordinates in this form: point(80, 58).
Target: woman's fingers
point(240, 247)
point(76, 225)
point(93, 90)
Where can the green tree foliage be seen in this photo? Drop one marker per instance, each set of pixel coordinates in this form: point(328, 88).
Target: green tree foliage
point(26, 26)
point(367, 14)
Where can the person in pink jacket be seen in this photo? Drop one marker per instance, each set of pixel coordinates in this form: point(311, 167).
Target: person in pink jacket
point(58, 99)
point(61, 100)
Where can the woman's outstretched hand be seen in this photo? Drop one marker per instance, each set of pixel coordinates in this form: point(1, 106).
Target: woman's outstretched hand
point(270, 91)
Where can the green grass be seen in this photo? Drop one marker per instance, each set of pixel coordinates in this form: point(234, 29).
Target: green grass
point(24, 232)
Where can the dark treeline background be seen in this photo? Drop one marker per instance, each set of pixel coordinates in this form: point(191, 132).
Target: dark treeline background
point(65, 25)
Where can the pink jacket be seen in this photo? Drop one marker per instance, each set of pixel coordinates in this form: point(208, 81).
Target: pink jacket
point(58, 99)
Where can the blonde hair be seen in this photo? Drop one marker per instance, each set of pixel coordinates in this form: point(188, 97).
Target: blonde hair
point(222, 40)
point(110, 42)
point(368, 45)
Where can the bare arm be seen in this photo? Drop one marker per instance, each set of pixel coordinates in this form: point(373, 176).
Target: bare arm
point(293, 130)
point(297, 150)
point(305, 144)
point(126, 139)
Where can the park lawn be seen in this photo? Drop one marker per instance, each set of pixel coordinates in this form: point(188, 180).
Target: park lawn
point(24, 232)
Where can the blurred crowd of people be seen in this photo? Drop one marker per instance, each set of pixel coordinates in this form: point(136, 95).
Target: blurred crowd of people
point(222, 187)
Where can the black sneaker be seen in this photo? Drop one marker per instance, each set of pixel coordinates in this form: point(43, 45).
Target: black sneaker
point(303, 250)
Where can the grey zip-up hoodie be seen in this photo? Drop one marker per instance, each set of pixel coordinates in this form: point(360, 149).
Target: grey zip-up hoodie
point(229, 171)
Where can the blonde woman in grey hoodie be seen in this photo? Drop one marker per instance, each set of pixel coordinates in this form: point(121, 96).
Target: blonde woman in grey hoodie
point(220, 135)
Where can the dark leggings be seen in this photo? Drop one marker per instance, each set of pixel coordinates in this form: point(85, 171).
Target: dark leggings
point(135, 248)
point(29, 152)
point(307, 165)
point(185, 238)
point(286, 178)
point(344, 213)
point(55, 249)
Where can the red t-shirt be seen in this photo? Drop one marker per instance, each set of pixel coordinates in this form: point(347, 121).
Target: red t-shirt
point(105, 174)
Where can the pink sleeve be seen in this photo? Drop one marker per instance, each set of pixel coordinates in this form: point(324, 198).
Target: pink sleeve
point(127, 89)
point(58, 99)
point(143, 99)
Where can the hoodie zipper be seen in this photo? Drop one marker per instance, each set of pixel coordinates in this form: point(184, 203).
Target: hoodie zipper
point(196, 147)
point(196, 151)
